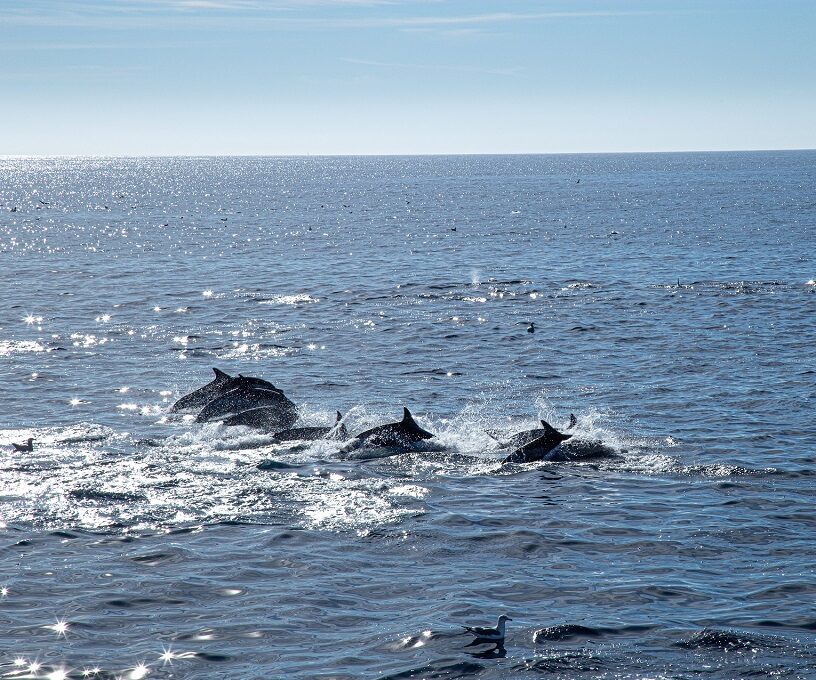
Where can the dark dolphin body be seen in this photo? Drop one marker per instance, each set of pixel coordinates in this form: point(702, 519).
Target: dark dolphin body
point(270, 418)
point(397, 435)
point(539, 447)
point(527, 436)
point(244, 399)
point(582, 450)
point(336, 432)
point(220, 385)
point(204, 394)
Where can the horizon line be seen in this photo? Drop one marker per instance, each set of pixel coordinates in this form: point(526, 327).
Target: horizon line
point(402, 155)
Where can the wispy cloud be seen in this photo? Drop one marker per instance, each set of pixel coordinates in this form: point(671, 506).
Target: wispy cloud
point(277, 14)
point(480, 19)
point(208, 4)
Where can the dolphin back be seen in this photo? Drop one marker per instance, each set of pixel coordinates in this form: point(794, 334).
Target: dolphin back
point(263, 418)
point(239, 400)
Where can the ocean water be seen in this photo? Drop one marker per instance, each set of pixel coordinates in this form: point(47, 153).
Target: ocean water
point(674, 301)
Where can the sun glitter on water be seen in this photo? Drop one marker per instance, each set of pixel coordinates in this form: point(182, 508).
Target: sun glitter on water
point(60, 628)
point(140, 671)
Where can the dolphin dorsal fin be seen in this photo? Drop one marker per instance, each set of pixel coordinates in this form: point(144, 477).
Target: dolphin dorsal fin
point(550, 431)
point(406, 415)
point(220, 375)
point(339, 417)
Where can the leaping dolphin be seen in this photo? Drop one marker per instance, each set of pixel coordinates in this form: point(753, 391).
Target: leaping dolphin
point(399, 434)
point(539, 447)
point(526, 436)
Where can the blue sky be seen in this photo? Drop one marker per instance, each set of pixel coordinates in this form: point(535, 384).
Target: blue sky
point(147, 77)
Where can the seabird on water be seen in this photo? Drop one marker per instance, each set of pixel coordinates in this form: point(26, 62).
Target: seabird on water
point(27, 447)
point(489, 634)
point(531, 327)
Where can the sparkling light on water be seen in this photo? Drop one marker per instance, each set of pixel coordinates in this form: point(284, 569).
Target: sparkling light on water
point(167, 655)
point(60, 627)
point(140, 671)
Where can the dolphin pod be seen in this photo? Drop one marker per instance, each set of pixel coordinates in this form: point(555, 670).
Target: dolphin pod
point(257, 403)
point(253, 402)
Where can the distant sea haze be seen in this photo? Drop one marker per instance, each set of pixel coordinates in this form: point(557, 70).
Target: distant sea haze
point(673, 303)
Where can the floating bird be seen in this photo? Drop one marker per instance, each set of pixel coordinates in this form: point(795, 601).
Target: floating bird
point(531, 327)
point(24, 448)
point(489, 634)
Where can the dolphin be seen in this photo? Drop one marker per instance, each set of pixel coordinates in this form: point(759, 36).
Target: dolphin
point(581, 450)
point(526, 436)
point(245, 398)
point(337, 431)
point(205, 394)
point(538, 448)
point(269, 418)
point(399, 434)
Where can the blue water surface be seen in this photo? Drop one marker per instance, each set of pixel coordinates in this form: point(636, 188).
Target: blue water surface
point(673, 298)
